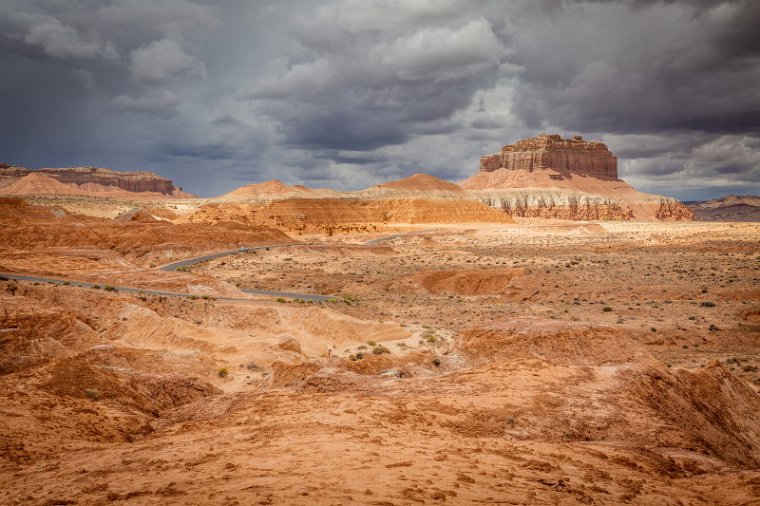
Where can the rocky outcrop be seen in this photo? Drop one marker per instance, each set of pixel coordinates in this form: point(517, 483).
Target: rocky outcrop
point(553, 152)
point(559, 205)
point(136, 182)
point(671, 209)
point(551, 177)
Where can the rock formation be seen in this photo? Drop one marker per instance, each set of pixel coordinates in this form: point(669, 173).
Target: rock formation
point(136, 182)
point(551, 177)
point(553, 152)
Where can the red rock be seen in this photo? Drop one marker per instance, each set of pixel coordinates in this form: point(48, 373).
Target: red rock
point(553, 152)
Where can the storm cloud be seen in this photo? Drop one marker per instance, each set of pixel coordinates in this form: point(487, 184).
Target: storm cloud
point(353, 92)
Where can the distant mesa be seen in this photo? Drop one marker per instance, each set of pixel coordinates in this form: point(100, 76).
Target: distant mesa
point(549, 151)
point(744, 208)
point(86, 181)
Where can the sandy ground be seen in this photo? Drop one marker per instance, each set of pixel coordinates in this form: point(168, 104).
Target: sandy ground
point(543, 362)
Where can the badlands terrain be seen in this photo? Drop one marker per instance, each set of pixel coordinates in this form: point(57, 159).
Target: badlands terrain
point(462, 351)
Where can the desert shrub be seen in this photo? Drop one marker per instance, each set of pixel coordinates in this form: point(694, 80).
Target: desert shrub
point(380, 349)
point(707, 303)
point(371, 343)
point(96, 287)
point(606, 309)
point(223, 372)
point(437, 362)
point(91, 394)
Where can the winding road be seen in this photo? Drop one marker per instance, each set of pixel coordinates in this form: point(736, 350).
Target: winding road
point(174, 266)
point(177, 265)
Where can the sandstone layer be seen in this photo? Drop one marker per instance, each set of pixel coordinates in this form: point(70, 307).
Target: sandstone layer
point(346, 215)
point(414, 186)
point(102, 243)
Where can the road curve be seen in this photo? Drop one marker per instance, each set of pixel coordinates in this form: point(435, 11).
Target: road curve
point(196, 260)
point(174, 266)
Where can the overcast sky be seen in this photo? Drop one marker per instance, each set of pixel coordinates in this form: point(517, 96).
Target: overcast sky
point(354, 92)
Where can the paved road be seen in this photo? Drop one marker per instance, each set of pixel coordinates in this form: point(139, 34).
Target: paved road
point(270, 293)
point(195, 260)
point(147, 291)
point(385, 238)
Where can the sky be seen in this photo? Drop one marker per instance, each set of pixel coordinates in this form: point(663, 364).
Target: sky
point(349, 93)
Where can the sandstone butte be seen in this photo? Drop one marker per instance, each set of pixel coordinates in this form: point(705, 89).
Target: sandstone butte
point(551, 177)
point(549, 151)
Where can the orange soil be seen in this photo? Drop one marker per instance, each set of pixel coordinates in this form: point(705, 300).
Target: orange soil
point(345, 215)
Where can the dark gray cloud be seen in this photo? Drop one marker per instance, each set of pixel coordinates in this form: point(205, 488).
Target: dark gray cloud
point(347, 93)
point(162, 104)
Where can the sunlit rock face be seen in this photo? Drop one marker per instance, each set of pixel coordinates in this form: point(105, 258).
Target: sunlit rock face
point(553, 152)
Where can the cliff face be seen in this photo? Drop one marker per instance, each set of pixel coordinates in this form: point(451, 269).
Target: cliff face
point(553, 152)
point(137, 182)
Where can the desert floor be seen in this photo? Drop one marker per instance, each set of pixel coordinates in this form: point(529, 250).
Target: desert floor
point(544, 362)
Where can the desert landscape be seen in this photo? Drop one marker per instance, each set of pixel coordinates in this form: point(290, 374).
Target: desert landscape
point(380, 252)
point(415, 342)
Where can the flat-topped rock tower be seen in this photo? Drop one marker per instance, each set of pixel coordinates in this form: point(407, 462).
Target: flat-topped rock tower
point(576, 155)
